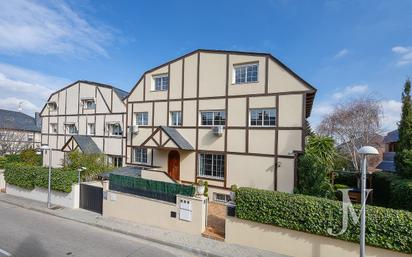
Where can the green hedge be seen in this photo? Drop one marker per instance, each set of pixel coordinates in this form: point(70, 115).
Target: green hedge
point(385, 228)
point(392, 191)
point(29, 177)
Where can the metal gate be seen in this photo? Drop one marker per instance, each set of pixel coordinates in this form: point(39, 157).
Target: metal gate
point(91, 198)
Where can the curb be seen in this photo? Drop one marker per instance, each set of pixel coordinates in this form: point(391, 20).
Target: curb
point(152, 239)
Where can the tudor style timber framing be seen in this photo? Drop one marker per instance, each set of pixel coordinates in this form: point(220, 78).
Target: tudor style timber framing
point(202, 80)
point(109, 107)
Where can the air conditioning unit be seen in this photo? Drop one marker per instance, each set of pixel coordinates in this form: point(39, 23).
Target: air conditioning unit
point(134, 129)
point(218, 130)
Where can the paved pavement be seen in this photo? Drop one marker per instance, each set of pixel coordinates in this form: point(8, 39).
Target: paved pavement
point(198, 245)
point(28, 233)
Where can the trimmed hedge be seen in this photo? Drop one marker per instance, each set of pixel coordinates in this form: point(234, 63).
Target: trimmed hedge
point(28, 177)
point(385, 228)
point(392, 191)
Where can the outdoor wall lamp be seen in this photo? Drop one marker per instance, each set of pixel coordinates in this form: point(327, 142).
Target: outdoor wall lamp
point(364, 152)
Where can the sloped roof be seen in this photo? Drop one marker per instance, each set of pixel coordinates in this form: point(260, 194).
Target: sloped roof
point(391, 137)
point(17, 121)
point(177, 138)
point(85, 143)
point(387, 166)
point(310, 95)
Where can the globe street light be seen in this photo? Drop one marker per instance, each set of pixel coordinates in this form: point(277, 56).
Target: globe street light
point(364, 152)
point(44, 148)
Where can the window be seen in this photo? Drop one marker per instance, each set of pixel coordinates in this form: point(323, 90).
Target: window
point(140, 155)
point(89, 104)
point(263, 117)
point(52, 106)
point(142, 118)
point(115, 129)
point(161, 82)
point(116, 161)
point(176, 118)
point(30, 138)
point(91, 128)
point(71, 128)
point(221, 197)
point(53, 128)
point(212, 165)
point(213, 118)
point(246, 73)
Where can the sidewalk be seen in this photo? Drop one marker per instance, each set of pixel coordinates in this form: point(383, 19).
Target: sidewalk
point(195, 244)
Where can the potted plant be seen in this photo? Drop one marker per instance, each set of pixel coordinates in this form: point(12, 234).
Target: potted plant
point(233, 189)
point(200, 189)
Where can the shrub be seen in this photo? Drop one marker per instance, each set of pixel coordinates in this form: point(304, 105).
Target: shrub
point(30, 157)
point(29, 177)
point(95, 164)
point(347, 178)
point(403, 160)
point(385, 228)
point(392, 191)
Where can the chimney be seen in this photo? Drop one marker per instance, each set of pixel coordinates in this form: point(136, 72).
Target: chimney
point(37, 119)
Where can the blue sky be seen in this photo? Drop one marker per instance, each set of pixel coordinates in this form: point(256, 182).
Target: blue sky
point(343, 48)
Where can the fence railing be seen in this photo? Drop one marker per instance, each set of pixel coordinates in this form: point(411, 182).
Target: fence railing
point(149, 188)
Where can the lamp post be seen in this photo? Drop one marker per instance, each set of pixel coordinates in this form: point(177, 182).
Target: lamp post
point(79, 170)
point(45, 148)
point(364, 152)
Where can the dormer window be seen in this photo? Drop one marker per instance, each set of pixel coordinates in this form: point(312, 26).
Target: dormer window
point(245, 73)
point(88, 104)
point(161, 82)
point(52, 106)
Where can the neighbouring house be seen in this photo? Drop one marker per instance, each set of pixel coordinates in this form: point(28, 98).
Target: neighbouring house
point(223, 117)
point(88, 116)
point(391, 141)
point(18, 131)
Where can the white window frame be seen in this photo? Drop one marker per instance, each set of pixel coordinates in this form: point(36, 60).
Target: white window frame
point(142, 155)
point(263, 118)
point(30, 138)
point(53, 125)
point(142, 121)
point(52, 106)
point(226, 196)
point(213, 118)
point(88, 101)
point(89, 132)
point(114, 160)
point(245, 66)
point(69, 126)
point(164, 82)
point(214, 156)
point(175, 121)
point(112, 129)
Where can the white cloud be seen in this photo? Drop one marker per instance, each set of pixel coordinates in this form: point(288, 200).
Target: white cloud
point(391, 114)
point(350, 91)
point(13, 103)
point(405, 53)
point(341, 53)
point(50, 27)
point(27, 86)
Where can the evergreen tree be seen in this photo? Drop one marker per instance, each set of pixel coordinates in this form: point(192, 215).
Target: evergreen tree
point(403, 159)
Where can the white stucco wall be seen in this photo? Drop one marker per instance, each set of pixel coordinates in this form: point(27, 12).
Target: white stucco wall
point(70, 200)
point(2, 181)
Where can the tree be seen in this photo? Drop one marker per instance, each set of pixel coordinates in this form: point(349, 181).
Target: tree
point(12, 142)
point(315, 167)
point(354, 124)
point(403, 158)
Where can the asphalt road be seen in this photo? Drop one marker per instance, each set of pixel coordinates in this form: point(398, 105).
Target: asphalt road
point(32, 234)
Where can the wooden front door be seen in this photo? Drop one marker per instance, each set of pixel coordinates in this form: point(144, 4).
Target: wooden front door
point(174, 165)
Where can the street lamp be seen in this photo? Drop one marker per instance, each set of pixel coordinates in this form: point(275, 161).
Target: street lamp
point(364, 152)
point(44, 148)
point(79, 170)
